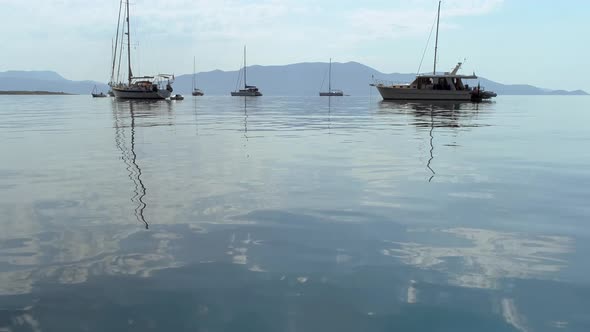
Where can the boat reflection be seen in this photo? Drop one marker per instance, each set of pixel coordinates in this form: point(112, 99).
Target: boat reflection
point(436, 114)
point(129, 155)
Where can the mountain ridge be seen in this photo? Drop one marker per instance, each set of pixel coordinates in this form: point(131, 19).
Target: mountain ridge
point(298, 79)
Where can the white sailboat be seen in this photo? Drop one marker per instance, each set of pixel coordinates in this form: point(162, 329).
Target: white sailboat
point(142, 87)
point(331, 93)
point(446, 86)
point(196, 92)
point(248, 90)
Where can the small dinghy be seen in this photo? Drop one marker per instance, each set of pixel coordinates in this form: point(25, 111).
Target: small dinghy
point(177, 97)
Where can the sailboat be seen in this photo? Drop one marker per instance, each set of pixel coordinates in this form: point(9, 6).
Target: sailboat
point(142, 87)
point(446, 86)
point(248, 90)
point(196, 92)
point(96, 94)
point(330, 93)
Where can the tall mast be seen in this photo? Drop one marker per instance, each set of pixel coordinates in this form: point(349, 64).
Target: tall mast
point(330, 77)
point(129, 45)
point(114, 51)
point(436, 43)
point(112, 58)
point(245, 84)
point(193, 73)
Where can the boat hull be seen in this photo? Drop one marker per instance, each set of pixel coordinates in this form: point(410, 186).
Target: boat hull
point(331, 94)
point(140, 94)
point(198, 94)
point(392, 93)
point(246, 94)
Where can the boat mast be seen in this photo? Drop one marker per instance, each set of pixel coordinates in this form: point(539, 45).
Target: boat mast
point(330, 77)
point(129, 45)
point(193, 73)
point(114, 51)
point(245, 84)
point(436, 42)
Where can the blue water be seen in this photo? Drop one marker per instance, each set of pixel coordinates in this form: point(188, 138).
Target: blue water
point(294, 214)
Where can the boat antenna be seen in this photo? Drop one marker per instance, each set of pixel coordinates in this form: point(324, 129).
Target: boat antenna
point(436, 42)
point(130, 74)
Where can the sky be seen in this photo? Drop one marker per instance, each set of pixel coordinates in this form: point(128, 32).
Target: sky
point(538, 42)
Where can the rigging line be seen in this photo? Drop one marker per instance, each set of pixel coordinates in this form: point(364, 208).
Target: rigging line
point(116, 42)
point(239, 78)
point(426, 46)
point(120, 54)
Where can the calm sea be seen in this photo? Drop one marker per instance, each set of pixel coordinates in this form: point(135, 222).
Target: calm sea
point(294, 214)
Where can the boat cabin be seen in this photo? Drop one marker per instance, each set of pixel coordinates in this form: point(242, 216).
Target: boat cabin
point(441, 82)
point(251, 88)
point(153, 83)
point(447, 81)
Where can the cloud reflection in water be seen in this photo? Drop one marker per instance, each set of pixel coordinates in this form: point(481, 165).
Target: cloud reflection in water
point(493, 255)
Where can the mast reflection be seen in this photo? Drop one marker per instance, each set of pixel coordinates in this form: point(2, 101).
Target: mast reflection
point(246, 126)
point(431, 145)
point(432, 115)
point(129, 157)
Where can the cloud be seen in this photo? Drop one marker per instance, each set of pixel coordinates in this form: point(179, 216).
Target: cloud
point(71, 34)
point(379, 23)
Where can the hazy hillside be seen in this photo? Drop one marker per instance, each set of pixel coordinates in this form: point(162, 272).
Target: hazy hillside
point(45, 81)
point(288, 80)
point(307, 78)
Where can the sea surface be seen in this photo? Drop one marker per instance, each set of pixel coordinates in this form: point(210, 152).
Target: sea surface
point(294, 214)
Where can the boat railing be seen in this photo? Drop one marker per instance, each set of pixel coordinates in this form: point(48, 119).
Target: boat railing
point(378, 82)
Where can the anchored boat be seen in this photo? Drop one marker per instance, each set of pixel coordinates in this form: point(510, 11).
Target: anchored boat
point(248, 90)
point(196, 91)
point(142, 87)
point(96, 94)
point(331, 93)
point(446, 86)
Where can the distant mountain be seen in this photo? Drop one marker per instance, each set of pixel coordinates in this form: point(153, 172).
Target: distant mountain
point(307, 78)
point(300, 79)
point(45, 81)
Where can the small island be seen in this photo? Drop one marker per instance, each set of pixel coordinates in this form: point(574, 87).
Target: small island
point(34, 93)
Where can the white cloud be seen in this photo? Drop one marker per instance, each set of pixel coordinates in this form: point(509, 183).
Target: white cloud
point(418, 19)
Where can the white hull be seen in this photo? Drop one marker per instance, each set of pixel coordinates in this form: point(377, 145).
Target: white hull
point(140, 94)
point(393, 93)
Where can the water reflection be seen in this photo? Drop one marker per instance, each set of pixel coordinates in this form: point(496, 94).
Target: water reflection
point(129, 155)
point(433, 115)
point(266, 257)
point(431, 145)
point(486, 258)
point(437, 114)
point(246, 118)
